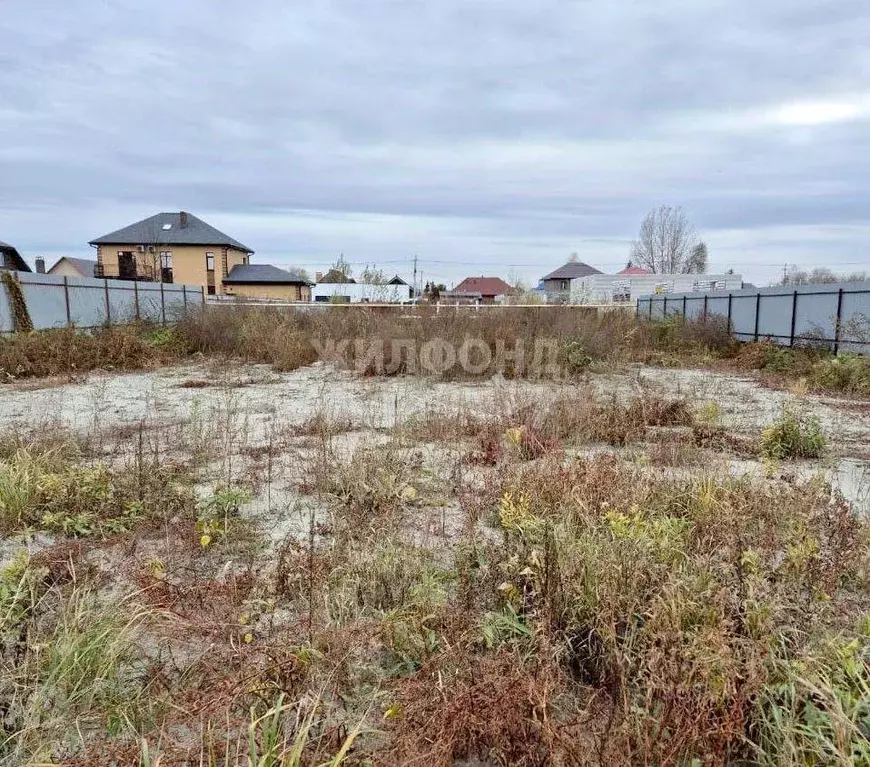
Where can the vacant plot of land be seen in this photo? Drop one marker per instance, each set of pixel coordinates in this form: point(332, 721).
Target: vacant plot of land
point(223, 564)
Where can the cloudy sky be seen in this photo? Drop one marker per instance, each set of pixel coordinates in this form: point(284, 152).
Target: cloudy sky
point(485, 137)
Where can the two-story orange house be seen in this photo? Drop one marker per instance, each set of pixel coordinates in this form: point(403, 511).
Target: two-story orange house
point(170, 247)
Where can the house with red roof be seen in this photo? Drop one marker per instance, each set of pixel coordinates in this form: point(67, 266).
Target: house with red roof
point(481, 290)
point(633, 271)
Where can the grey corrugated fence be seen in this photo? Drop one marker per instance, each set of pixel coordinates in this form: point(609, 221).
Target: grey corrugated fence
point(56, 302)
point(835, 315)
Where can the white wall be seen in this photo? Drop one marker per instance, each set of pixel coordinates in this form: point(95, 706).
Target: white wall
point(361, 292)
point(607, 288)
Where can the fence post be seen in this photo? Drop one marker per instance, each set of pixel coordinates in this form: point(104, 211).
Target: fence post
point(839, 321)
point(705, 308)
point(650, 307)
point(162, 303)
point(184, 293)
point(684, 307)
point(136, 298)
point(793, 318)
point(66, 301)
point(665, 309)
point(730, 296)
point(108, 310)
point(757, 307)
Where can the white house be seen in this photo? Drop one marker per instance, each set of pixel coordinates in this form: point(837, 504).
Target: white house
point(360, 293)
point(617, 288)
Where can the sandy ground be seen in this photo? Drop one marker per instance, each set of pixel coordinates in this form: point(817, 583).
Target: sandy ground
point(261, 402)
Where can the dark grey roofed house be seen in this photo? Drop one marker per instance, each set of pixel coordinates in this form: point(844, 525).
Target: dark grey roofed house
point(263, 274)
point(180, 228)
point(10, 258)
point(571, 270)
point(557, 284)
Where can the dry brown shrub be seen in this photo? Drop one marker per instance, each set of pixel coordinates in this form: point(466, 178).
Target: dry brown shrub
point(67, 351)
point(500, 710)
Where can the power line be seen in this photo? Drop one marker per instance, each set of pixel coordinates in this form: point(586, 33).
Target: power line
point(500, 262)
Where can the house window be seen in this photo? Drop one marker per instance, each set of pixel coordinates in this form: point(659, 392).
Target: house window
point(209, 262)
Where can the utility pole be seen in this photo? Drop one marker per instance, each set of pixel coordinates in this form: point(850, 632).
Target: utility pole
point(416, 292)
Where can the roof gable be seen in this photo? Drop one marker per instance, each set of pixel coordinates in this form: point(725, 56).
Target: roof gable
point(180, 228)
point(486, 286)
point(84, 266)
point(572, 270)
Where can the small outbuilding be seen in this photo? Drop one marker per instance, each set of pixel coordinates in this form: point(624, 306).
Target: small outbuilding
point(266, 281)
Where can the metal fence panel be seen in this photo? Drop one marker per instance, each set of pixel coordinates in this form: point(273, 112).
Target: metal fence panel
point(54, 302)
point(743, 316)
point(87, 302)
point(717, 306)
point(150, 303)
point(774, 317)
point(5, 311)
point(44, 296)
point(816, 316)
point(695, 308)
point(122, 304)
point(855, 322)
point(174, 300)
point(837, 315)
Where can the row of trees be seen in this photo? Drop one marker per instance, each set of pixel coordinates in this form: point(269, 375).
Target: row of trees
point(819, 276)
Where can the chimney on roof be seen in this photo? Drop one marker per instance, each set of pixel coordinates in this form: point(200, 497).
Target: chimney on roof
point(183, 219)
point(40, 265)
point(318, 276)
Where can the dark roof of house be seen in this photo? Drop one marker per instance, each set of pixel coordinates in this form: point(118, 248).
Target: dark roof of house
point(84, 266)
point(11, 258)
point(571, 270)
point(263, 274)
point(486, 286)
point(170, 229)
point(397, 281)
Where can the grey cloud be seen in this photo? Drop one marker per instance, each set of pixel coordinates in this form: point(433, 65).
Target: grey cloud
point(524, 123)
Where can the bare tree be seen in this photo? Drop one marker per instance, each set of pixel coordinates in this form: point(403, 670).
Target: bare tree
point(668, 243)
point(373, 276)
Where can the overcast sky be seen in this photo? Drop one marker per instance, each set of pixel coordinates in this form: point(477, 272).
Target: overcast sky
point(486, 137)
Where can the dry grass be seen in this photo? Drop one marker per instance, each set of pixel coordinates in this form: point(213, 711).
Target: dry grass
point(70, 352)
point(574, 339)
point(461, 588)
